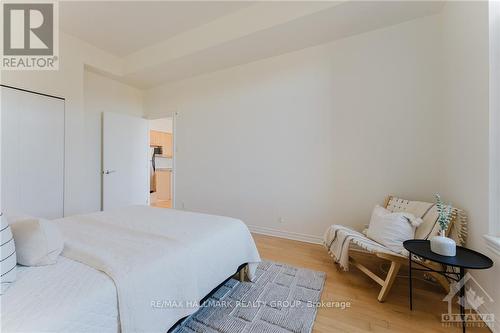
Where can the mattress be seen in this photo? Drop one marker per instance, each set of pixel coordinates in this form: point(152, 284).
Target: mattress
point(65, 297)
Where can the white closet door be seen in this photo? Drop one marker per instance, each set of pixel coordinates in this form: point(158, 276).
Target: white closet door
point(125, 152)
point(32, 154)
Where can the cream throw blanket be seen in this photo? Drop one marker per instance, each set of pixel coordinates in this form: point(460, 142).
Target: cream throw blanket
point(338, 239)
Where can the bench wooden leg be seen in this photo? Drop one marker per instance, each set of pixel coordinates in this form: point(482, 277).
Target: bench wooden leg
point(443, 282)
point(389, 280)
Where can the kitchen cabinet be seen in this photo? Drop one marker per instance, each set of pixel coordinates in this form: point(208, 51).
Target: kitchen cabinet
point(167, 144)
point(162, 139)
point(163, 183)
point(154, 138)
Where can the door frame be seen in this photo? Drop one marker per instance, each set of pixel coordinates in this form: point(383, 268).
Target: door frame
point(174, 156)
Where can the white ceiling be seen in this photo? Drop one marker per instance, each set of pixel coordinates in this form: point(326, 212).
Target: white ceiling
point(123, 27)
point(164, 41)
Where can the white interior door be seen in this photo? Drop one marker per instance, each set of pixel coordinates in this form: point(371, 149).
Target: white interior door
point(32, 156)
point(125, 149)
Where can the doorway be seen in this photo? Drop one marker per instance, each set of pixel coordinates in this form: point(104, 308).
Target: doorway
point(161, 162)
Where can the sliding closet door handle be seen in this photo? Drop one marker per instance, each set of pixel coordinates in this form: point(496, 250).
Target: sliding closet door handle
point(107, 172)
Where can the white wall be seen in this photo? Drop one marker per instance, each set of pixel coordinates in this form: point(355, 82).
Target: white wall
point(465, 127)
point(315, 137)
point(68, 82)
point(102, 94)
point(162, 125)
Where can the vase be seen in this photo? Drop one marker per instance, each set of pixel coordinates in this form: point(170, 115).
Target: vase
point(443, 245)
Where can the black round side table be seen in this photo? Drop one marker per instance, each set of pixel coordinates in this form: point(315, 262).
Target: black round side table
point(464, 259)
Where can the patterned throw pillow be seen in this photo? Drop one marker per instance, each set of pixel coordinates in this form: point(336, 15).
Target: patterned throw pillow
point(392, 229)
point(7, 255)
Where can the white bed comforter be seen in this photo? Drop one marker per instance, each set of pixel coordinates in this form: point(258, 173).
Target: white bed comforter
point(162, 261)
point(65, 297)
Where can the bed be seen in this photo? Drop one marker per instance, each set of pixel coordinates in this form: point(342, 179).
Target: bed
point(134, 269)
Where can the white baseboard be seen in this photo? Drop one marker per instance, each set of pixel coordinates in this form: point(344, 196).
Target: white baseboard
point(286, 234)
point(494, 327)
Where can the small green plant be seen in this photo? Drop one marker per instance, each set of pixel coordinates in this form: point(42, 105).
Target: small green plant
point(445, 213)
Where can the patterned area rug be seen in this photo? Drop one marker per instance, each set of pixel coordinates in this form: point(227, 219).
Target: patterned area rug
point(281, 300)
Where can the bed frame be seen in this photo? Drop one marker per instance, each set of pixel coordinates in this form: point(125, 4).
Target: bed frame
point(240, 275)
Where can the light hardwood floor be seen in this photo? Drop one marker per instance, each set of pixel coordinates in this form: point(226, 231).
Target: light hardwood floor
point(366, 314)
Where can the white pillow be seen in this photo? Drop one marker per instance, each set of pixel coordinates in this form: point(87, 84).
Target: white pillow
point(7, 255)
point(38, 241)
point(392, 229)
